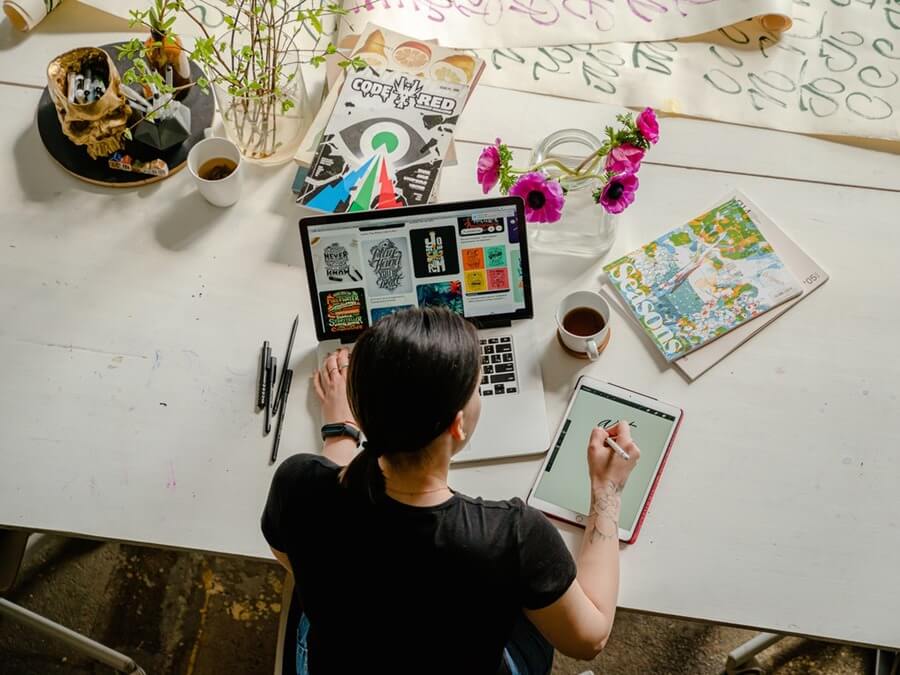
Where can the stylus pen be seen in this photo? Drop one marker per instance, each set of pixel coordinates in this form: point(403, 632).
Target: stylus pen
point(284, 365)
point(289, 374)
point(615, 446)
point(270, 376)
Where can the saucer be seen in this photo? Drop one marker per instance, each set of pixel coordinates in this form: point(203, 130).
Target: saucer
point(583, 355)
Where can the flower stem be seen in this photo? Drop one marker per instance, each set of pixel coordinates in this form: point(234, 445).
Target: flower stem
point(590, 160)
point(587, 165)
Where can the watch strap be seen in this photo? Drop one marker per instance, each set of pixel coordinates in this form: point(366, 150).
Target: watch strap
point(341, 429)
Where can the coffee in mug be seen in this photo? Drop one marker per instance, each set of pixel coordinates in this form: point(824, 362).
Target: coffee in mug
point(216, 168)
point(583, 321)
point(215, 164)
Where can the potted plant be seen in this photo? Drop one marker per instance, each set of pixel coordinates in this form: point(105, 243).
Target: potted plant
point(252, 65)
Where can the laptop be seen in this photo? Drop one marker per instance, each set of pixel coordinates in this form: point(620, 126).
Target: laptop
point(470, 257)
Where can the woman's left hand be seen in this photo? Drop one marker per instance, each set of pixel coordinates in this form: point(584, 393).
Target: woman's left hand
point(330, 383)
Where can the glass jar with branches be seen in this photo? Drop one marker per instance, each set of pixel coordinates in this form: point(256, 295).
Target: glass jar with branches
point(253, 65)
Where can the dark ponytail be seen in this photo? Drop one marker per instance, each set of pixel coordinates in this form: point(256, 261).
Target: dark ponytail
point(363, 475)
point(410, 374)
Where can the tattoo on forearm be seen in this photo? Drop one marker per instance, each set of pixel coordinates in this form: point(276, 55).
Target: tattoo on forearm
point(605, 503)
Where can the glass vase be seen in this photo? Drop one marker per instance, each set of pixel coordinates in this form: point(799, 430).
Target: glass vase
point(586, 229)
point(265, 130)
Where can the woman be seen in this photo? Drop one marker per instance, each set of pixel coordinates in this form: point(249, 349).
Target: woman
point(399, 574)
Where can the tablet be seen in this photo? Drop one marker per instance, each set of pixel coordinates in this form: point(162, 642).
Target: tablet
point(562, 488)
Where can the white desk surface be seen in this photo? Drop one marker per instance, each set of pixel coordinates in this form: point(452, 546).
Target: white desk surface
point(130, 324)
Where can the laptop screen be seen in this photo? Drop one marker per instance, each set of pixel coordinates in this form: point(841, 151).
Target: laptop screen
point(470, 257)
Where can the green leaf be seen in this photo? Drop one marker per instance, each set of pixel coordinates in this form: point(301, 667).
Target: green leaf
point(314, 20)
point(130, 50)
point(138, 18)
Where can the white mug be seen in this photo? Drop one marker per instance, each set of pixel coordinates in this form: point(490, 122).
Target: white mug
point(225, 191)
point(592, 344)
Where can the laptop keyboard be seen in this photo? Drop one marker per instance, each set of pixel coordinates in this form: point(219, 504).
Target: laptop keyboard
point(498, 367)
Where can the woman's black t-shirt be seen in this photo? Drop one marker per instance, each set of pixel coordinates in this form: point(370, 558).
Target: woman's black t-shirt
point(392, 588)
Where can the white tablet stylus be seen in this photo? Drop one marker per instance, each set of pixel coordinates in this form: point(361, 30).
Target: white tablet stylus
point(615, 446)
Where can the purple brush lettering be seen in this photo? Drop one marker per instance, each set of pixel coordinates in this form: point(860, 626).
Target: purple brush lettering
point(542, 13)
point(592, 9)
point(639, 7)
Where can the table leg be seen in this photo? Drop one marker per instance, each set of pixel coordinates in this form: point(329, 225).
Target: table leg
point(741, 656)
point(85, 645)
point(887, 662)
point(14, 545)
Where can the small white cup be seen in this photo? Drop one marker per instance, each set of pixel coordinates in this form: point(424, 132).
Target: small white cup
point(223, 192)
point(593, 344)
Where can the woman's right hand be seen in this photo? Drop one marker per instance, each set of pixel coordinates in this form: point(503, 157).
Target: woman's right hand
point(604, 463)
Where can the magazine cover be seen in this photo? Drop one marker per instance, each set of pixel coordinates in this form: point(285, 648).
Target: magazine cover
point(703, 279)
point(385, 49)
point(385, 142)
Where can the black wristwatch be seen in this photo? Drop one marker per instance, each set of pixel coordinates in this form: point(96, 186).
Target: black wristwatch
point(340, 429)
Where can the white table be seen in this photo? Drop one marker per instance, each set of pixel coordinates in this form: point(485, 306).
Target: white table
point(130, 324)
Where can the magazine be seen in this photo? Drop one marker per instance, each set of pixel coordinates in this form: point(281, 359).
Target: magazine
point(699, 281)
point(382, 48)
point(385, 142)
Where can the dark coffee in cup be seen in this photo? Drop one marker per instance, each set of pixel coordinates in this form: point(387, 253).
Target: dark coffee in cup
point(216, 168)
point(583, 321)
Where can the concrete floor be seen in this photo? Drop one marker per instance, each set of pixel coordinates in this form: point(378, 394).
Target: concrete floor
point(186, 613)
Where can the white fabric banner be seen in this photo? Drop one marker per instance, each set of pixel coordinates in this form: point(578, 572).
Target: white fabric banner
point(525, 23)
point(26, 14)
point(835, 72)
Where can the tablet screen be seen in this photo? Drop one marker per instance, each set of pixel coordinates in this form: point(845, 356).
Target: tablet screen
point(565, 481)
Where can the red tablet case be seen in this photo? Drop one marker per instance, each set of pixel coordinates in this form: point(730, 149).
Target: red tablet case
point(662, 465)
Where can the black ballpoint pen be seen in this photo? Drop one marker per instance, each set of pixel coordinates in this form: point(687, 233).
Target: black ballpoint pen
point(263, 368)
point(270, 378)
point(288, 376)
point(276, 399)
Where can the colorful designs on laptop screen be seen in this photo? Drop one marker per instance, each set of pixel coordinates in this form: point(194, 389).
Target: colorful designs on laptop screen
point(469, 262)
